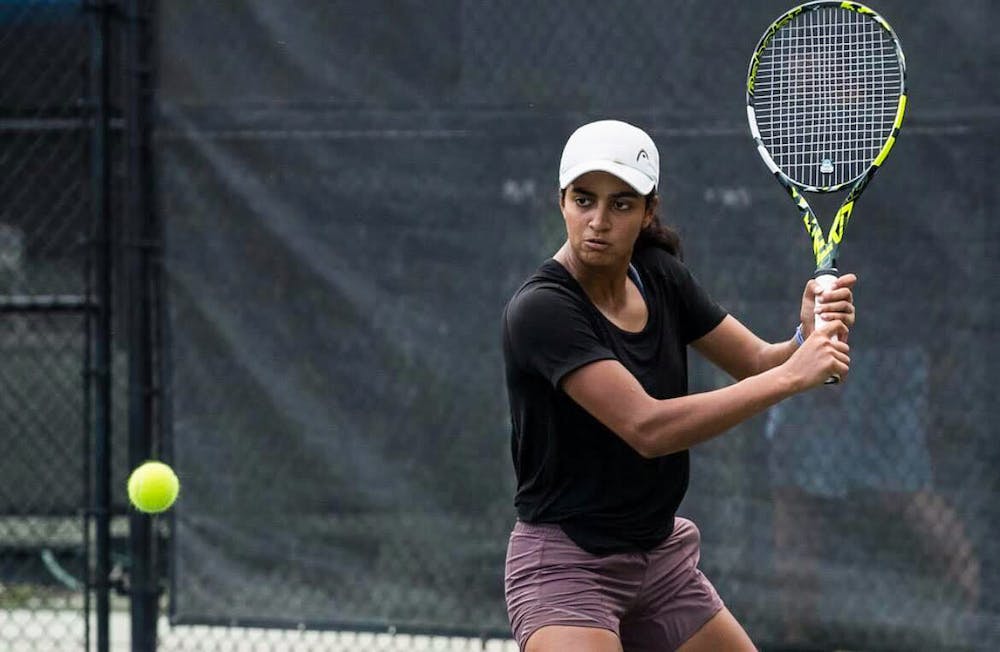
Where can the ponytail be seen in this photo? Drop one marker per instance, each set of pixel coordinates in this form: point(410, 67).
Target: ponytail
point(656, 234)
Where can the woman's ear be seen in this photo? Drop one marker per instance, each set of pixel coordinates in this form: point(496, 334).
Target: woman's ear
point(651, 205)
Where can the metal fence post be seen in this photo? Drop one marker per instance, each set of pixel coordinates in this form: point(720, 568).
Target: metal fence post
point(100, 166)
point(140, 243)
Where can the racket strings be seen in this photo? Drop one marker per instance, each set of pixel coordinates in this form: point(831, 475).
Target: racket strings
point(826, 94)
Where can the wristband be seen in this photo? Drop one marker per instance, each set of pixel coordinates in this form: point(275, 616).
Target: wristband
point(799, 339)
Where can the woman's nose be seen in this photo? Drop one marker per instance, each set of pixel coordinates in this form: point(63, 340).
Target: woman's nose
point(599, 218)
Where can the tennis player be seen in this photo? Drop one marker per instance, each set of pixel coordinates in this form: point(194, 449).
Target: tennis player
point(595, 349)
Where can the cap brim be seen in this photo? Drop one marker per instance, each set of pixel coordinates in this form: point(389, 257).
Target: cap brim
point(639, 181)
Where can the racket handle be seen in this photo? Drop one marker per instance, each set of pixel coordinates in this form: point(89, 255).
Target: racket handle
point(825, 278)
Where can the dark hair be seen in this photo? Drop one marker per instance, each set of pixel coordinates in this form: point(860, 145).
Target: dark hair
point(657, 234)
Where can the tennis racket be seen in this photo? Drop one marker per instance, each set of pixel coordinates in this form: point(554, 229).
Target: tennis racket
point(826, 93)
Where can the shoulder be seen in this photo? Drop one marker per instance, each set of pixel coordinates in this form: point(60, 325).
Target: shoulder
point(682, 290)
point(662, 264)
point(549, 327)
point(548, 294)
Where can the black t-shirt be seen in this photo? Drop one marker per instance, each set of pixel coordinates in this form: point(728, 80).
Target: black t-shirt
point(570, 468)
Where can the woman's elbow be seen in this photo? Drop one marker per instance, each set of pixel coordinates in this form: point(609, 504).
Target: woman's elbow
point(641, 435)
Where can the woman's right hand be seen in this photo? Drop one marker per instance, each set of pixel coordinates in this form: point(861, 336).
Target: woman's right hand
point(825, 353)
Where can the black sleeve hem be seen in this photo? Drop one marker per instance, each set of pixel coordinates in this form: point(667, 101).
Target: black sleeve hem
point(560, 374)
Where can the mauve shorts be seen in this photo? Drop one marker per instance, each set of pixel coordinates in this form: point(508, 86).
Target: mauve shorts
point(652, 600)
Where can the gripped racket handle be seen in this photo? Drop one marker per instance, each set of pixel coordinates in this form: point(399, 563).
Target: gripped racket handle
point(826, 278)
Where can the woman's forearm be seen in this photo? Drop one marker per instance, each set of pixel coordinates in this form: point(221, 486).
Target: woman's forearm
point(772, 355)
point(672, 425)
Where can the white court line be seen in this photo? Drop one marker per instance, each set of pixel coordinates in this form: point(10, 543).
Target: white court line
point(54, 630)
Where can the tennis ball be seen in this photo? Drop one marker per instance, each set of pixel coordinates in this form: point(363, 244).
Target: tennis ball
point(153, 487)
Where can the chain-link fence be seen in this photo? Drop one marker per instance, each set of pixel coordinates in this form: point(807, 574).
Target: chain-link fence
point(44, 222)
point(60, 155)
point(349, 193)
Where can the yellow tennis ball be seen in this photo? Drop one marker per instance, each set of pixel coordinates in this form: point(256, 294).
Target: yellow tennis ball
point(153, 487)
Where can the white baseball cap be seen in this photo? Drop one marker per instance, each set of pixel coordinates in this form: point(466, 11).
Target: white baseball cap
point(615, 147)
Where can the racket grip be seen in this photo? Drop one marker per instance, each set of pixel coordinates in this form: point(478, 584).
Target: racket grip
point(825, 278)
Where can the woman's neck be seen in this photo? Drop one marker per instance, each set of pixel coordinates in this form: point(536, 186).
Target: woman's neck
point(606, 286)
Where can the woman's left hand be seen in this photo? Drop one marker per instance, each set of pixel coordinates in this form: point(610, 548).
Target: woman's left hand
point(834, 303)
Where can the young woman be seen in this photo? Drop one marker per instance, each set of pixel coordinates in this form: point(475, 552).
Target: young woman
point(595, 352)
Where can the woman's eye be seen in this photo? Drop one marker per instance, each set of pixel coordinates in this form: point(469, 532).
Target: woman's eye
point(623, 205)
point(582, 201)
